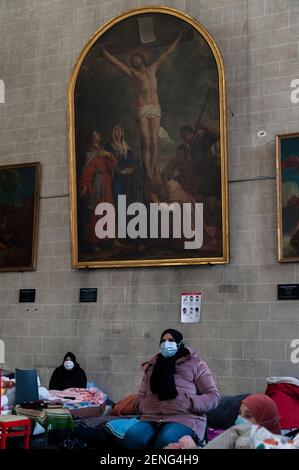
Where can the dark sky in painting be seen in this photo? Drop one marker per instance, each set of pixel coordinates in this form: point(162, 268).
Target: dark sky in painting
point(16, 184)
point(289, 148)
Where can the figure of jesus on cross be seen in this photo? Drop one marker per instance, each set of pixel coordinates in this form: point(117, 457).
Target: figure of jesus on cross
point(147, 104)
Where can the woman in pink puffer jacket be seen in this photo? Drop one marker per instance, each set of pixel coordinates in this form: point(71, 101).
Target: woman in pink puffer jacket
point(176, 392)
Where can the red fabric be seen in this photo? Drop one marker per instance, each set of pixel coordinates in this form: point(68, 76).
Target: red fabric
point(264, 410)
point(126, 406)
point(286, 397)
point(103, 162)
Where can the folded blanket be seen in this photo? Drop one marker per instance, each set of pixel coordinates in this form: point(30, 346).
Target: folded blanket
point(119, 427)
point(236, 437)
point(251, 436)
point(79, 395)
point(261, 438)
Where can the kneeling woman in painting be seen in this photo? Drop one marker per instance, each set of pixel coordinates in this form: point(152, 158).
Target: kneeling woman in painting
point(176, 392)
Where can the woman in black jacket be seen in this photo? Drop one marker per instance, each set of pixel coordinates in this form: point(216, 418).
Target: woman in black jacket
point(68, 375)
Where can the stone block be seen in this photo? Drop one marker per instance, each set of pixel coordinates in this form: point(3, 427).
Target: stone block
point(280, 6)
point(283, 369)
point(282, 273)
point(284, 311)
point(234, 329)
point(267, 23)
point(43, 327)
point(113, 295)
point(249, 311)
point(67, 329)
point(102, 363)
point(276, 329)
point(261, 293)
point(251, 41)
point(223, 349)
point(214, 311)
point(16, 327)
point(275, 53)
point(250, 368)
point(144, 294)
point(11, 343)
point(88, 328)
point(82, 346)
point(265, 349)
point(240, 275)
point(127, 329)
point(219, 367)
point(31, 345)
point(233, 386)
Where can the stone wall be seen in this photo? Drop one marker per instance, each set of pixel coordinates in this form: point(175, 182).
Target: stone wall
point(245, 332)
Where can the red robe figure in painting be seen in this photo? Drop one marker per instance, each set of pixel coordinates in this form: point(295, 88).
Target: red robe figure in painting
point(96, 185)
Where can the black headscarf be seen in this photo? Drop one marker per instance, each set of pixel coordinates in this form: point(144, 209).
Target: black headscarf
point(62, 378)
point(73, 358)
point(162, 379)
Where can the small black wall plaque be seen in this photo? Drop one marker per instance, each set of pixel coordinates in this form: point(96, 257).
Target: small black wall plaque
point(27, 295)
point(288, 292)
point(88, 295)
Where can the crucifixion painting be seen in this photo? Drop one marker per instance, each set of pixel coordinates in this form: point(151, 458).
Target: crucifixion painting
point(147, 121)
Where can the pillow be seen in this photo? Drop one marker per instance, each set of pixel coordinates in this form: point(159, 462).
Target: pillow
point(225, 414)
point(126, 406)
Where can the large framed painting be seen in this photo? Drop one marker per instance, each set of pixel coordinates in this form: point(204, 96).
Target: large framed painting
point(19, 208)
point(287, 182)
point(147, 144)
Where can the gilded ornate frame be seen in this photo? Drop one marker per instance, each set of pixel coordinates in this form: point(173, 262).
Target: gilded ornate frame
point(223, 147)
point(32, 266)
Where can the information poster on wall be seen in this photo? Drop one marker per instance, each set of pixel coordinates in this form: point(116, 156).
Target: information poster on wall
point(190, 307)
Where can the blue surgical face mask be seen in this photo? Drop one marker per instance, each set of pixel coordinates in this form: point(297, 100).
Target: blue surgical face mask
point(168, 348)
point(241, 420)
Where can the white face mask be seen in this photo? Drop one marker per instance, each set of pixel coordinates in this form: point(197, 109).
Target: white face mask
point(69, 365)
point(168, 348)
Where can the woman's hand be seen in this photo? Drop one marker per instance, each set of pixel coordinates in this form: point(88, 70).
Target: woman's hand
point(186, 442)
point(173, 445)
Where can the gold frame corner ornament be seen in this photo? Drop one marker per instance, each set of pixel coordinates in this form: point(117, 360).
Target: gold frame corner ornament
point(72, 151)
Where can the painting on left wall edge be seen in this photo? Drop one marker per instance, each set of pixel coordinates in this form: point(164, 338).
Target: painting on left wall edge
point(19, 214)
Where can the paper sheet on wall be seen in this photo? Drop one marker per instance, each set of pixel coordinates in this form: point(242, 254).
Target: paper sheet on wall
point(146, 29)
point(190, 307)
